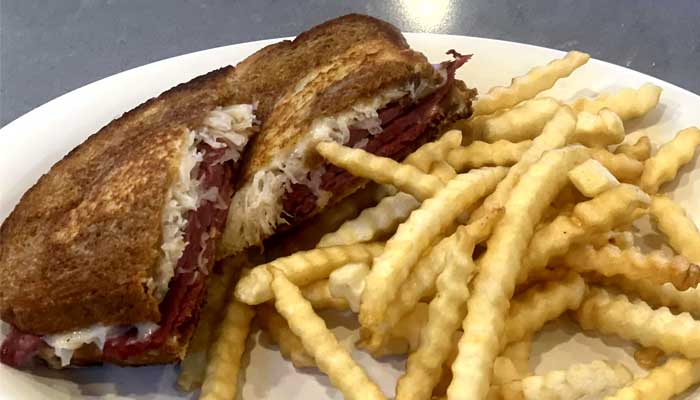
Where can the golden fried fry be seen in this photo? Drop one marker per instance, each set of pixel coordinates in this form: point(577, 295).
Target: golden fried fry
point(515, 125)
point(674, 223)
point(302, 268)
point(529, 85)
point(348, 283)
point(662, 383)
point(657, 266)
point(598, 130)
point(221, 379)
point(601, 214)
point(430, 152)
point(624, 168)
point(576, 382)
point(402, 251)
point(555, 135)
point(319, 295)
point(659, 295)
point(374, 222)
point(627, 103)
point(405, 335)
point(664, 165)
point(278, 330)
point(358, 162)
point(635, 320)
point(592, 178)
point(479, 154)
point(648, 357)
point(329, 355)
point(514, 362)
point(308, 234)
point(445, 314)
point(499, 268)
point(421, 280)
point(540, 304)
point(443, 171)
point(640, 150)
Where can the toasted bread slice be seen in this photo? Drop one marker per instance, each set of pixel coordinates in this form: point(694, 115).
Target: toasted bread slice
point(83, 242)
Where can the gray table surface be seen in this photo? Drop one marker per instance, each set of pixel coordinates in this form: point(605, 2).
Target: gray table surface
point(48, 48)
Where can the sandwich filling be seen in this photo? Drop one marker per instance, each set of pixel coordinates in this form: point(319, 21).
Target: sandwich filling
point(390, 125)
point(192, 218)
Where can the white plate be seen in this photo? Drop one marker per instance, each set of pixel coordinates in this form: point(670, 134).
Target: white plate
point(32, 143)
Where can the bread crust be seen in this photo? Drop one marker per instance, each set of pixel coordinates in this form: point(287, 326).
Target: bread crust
point(82, 242)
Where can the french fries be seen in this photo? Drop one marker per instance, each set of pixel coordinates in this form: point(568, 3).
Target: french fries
point(445, 314)
point(632, 263)
point(577, 381)
point(320, 297)
point(348, 283)
point(289, 344)
point(648, 357)
point(529, 85)
point(443, 171)
point(592, 179)
point(518, 124)
point(639, 150)
point(673, 222)
point(405, 177)
point(554, 135)
point(664, 165)
point(373, 222)
point(626, 103)
point(479, 154)
point(655, 295)
point(598, 130)
point(662, 383)
point(330, 356)
point(302, 268)
point(635, 320)
point(221, 378)
point(402, 250)
point(430, 152)
point(625, 169)
point(499, 269)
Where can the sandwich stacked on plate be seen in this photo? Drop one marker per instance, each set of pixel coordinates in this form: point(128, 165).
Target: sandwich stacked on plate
point(107, 257)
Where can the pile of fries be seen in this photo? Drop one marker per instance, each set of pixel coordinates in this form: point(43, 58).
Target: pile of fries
point(521, 214)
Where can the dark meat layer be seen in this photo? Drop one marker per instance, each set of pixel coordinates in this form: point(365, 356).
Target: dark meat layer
point(186, 289)
point(403, 125)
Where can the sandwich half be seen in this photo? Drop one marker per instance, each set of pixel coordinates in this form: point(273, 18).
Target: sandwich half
point(354, 81)
point(106, 257)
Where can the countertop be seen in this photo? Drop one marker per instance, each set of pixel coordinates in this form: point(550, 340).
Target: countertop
point(50, 48)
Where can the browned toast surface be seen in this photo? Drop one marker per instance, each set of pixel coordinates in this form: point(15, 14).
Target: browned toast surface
point(82, 242)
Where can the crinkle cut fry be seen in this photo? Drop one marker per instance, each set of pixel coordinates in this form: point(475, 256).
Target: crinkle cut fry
point(664, 165)
point(329, 355)
point(430, 152)
point(635, 320)
point(639, 150)
point(592, 178)
point(302, 268)
point(662, 383)
point(627, 103)
point(682, 233)
point(479, 154)
point(445, 313)
point(555, 134)
point(421, 280)
point(659, 295)
point(523, 122)
point(499, 268)
point(625, 169)
point(600, 129)
point(573, 383)
point(606, 211)
point(221, 379)
point(319, 295)
point(289, 344)
point(402, 251)
point(358, 162)
point(373, 222)
point(529, 85)
point(656, 266)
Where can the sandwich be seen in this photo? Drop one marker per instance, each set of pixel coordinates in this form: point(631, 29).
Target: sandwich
point(353, 80)
point(106, 257)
